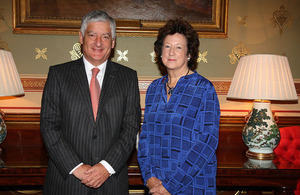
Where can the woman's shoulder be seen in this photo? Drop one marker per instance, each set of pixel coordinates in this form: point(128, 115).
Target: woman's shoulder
point(201, 80)
point(158, 81)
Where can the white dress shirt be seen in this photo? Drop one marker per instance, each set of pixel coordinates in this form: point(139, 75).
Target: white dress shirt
point(88, 69)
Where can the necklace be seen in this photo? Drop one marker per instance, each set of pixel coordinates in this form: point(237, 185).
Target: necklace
point(171, 89)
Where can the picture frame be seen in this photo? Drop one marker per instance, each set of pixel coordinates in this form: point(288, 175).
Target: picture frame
point(138, 20)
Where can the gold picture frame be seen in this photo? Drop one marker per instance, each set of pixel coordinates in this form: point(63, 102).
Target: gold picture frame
point(50, 17)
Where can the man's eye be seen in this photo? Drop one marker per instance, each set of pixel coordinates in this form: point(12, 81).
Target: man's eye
point(106, 37)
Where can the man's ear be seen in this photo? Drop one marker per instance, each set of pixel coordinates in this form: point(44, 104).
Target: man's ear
point(113, 43)
point(80, 38)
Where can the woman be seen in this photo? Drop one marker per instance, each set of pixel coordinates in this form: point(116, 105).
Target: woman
point(179, 135)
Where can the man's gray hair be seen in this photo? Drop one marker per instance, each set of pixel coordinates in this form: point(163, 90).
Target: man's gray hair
point(98, 16)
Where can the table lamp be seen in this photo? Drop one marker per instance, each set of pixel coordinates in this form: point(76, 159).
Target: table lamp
point(10, 85)
point(262, 78)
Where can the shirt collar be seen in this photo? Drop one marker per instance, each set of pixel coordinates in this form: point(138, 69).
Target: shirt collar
point(89, 67)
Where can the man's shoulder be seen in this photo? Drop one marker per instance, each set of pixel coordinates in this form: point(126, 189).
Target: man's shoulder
point(120, 66)
point(68, 64)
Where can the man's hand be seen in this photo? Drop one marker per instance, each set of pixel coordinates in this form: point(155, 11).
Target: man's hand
point(96, 176)
point(79, 172)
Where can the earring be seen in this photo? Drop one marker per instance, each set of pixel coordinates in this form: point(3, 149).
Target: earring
point(189, 59)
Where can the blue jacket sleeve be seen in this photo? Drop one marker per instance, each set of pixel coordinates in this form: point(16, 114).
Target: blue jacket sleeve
point(143, 147)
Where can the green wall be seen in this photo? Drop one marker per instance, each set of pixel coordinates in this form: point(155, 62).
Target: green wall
point(258, 35)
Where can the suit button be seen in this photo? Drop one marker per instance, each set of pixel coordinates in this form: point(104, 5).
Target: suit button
point(94, 136)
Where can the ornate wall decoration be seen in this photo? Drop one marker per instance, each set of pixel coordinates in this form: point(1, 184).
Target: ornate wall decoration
point(238, 52)
point(242, 21)
point(202, 57)
point(41, 53)
point(122, 55)
point(4, 45)
point(280, 18)
point(153, 56)
point(76, 52)
point(33, 84)
point(222, 87)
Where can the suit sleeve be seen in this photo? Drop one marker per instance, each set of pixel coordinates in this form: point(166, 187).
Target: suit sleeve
point(119, 153)
point(58, 148)
point(201, 153)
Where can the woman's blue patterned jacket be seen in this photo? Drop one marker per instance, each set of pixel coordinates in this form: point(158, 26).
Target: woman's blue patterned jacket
point(179, 137)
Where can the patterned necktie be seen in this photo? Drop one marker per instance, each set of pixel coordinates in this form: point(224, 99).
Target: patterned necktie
point(95, 91)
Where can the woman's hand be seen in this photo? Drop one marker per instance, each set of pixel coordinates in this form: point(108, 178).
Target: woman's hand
point(159, 190)
point(153, 181)
point(156, 188)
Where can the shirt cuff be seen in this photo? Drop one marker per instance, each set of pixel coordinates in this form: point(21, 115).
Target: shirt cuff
point(71, 172)
point(108, 167)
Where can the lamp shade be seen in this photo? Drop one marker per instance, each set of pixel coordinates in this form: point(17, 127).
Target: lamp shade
point(10, 83)
point(262, 76)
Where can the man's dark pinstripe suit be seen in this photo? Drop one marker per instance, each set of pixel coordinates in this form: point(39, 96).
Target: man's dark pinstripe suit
point(72, 136)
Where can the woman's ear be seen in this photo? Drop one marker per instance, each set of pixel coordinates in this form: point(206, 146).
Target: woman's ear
point(189, 57)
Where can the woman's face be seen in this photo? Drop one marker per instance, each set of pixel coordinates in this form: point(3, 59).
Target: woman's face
point(174, 52)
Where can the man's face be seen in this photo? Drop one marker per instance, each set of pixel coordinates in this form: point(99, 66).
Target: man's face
point(97, 42)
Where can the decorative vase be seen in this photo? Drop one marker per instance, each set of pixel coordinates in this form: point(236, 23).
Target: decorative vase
point(261, 133)
point(3, 131)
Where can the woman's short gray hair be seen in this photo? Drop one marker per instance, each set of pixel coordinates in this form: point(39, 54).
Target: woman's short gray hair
point(98, 16)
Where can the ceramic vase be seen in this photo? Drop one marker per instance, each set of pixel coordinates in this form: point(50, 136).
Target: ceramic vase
point(261, 133)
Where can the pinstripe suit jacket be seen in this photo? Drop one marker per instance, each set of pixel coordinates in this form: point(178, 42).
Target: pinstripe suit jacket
point(72, 136)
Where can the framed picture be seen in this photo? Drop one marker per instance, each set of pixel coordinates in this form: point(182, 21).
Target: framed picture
point(140, 18)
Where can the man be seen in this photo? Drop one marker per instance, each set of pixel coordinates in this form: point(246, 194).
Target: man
point(89, 146)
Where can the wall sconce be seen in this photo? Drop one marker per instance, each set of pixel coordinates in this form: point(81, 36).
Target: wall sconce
point(262, 78)
point(10, 85)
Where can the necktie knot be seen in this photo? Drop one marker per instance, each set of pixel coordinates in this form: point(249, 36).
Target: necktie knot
point(95, 72)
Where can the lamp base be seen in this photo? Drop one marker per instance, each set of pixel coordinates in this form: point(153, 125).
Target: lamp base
point(261, 133)
point(2, 164)
point(260, 156)
point(259, 164)
point(3, 130)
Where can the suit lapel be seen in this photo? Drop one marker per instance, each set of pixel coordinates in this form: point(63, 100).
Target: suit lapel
point(108, 82)
point(81, 81)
